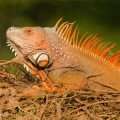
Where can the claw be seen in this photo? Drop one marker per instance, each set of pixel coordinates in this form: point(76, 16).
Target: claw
point(46, 88)
point(36, 87)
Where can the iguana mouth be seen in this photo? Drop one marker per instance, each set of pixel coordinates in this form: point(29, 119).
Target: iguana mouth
point(13, 47)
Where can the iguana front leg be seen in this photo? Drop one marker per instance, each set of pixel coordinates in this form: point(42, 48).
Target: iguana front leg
point(40, 74)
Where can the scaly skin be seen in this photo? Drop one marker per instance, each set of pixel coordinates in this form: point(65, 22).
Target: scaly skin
point(65, 63)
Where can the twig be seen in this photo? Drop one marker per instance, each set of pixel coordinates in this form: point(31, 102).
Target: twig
point(85, 107)
point(43, 109)
point(28, 113)
point(58, 111)
point(1, 108)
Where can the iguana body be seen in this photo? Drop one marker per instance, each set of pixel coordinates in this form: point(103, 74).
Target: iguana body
point(59, 58)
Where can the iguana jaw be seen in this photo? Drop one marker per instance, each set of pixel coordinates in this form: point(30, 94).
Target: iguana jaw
point(19, 46)
point(13, 47)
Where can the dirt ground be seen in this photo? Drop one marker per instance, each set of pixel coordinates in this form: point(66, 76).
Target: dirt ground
point(77, 105)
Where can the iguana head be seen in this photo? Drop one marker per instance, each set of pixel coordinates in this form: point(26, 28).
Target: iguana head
point(42, 46)
point(26, 40)
point(29, 42)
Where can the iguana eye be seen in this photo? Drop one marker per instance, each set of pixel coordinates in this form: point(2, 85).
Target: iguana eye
point(28, 31)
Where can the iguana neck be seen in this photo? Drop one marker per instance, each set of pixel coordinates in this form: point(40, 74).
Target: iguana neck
point(60, 51)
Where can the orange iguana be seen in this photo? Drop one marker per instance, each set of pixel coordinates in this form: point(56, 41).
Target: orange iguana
point(63, 62)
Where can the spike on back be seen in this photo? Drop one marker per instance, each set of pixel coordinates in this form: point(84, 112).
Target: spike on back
point(88, 44)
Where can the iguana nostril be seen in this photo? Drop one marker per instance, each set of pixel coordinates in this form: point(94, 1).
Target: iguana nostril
point(9, 29)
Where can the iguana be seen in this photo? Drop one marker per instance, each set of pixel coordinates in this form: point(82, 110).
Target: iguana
point(62, 61)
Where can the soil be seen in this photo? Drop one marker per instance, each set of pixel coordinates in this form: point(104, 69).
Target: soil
point(73, 105)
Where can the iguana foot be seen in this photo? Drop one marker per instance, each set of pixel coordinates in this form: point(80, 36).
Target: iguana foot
point(36, 91)
point(31, 93)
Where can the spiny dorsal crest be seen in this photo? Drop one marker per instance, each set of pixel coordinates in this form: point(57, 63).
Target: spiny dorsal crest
point(88, 45)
